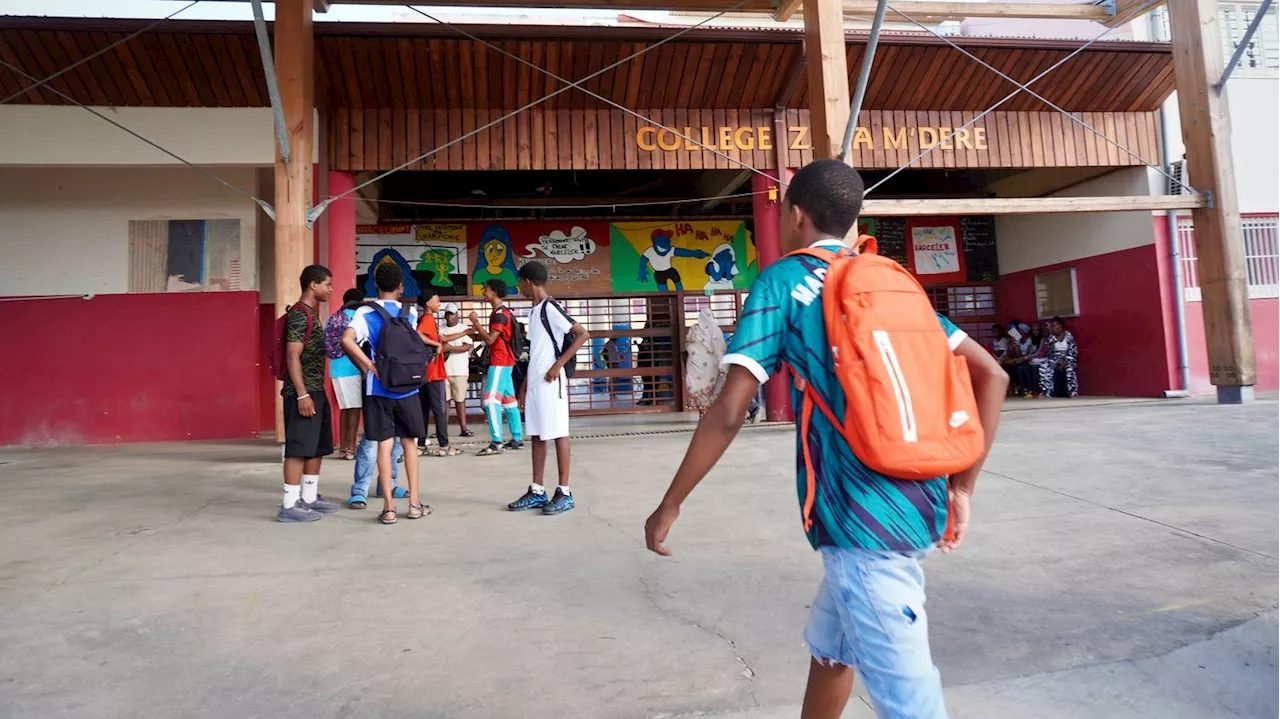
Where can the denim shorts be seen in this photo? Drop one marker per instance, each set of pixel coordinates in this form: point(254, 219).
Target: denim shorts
point(869, 615)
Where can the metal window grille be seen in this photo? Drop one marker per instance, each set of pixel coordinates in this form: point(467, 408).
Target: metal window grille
point(1261, 256)
point(1261, 57)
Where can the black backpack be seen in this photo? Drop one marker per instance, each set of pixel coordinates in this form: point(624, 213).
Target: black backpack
point(562, 344)
point(402, 356)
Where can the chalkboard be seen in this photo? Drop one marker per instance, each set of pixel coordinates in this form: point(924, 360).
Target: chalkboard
point(978, 236)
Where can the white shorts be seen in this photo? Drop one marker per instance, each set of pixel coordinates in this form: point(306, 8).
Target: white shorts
point(349, 390)
point(546, 409)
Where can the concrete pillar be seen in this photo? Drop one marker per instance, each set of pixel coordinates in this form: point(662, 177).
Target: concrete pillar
point(341, 217)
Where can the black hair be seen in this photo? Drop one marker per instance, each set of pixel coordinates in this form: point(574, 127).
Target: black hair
point(312, 274)
point(499, 287)
point(425, 297)
point(1057, 320)
point(830, 193)
point(388, 277)
point(535, 272)
point(352, 295)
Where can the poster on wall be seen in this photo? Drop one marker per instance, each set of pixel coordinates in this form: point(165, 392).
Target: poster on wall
point(935, 254)
point(426, 257)
point(184, 255)
point(701, 255)
point(576, 253)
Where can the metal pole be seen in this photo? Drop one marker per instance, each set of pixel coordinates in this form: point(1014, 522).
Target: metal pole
point(273, 87)
point(1244, 42)
point(864, 75)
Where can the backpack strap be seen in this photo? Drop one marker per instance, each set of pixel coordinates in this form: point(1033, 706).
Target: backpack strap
point(809, 401)
point(311, 320)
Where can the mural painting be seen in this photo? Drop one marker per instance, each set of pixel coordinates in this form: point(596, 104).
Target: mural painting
point(576, 253)
point(700, 255)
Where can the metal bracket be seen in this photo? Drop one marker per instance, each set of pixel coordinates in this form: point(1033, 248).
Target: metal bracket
point(273, 87)
point(1109, 6)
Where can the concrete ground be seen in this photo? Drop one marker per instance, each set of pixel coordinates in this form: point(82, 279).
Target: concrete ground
point(1122, 564)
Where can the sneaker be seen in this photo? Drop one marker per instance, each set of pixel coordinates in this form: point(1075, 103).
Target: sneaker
point(530, 500)
point(514, 444)
point(559, 504)
point(321, 505)
point(297, 513)
point(492, 449)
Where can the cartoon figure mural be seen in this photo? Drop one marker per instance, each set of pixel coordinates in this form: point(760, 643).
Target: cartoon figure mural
point(722, 268)
point(442, 261)
point(496, 260)
point(659, 256)
point(679, 255)
point(385, 255)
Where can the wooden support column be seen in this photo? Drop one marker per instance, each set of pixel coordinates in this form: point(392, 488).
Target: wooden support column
point(294, 48)
point(828, 76)
point(1206, 133)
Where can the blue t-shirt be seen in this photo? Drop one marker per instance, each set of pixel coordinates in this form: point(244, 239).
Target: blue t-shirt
point(367, 325)
point(343, 366)
point(853, 505)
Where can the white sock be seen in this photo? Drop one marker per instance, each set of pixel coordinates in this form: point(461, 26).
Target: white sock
point(291, 494)
point(310, 487)
point(537, 489)
point(565, 488)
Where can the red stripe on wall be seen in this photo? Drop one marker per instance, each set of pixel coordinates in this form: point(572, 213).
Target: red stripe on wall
point(131, 368)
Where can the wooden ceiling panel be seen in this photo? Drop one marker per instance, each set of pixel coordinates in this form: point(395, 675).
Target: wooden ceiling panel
point(196, 64)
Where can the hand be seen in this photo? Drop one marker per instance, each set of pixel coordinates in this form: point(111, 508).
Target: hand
point(307, 407)
point(700, 254)
point(643, 276)
point(553, 374)
point(959, 520)
point(657, 527)
point(475, 318)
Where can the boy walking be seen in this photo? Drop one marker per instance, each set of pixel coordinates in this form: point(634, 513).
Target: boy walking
point(499, 381)
point(388, 416)
point(457, 363)
point(871, 529)
point(554, 338)
point(308, 424)
point(432, 394)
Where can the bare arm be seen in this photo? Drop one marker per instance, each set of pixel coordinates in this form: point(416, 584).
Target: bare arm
point(990, 382)
point(481, 333)
point(428, 341)
point(293, 358)
point(714, 434)
point(580, 337)
point(357, 357)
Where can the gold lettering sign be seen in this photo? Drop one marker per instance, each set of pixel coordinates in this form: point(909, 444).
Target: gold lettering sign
point(669, 139)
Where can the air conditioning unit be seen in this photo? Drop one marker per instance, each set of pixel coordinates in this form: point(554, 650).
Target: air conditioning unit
point(1178, 170)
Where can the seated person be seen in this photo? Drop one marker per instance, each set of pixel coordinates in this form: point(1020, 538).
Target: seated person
point(1008, 354)
point(1060, 353)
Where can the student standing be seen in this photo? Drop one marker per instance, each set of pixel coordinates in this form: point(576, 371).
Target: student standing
point(499, 382)
point(388, 416)
point(871, 529)
point(308, 426)
point(432, 393)
point(554, 338)
point(457, 363)
point(348, 387)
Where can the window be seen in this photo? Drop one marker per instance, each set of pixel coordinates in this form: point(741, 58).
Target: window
point(1056, 294)
point(1262, 56)
point(1261, 256)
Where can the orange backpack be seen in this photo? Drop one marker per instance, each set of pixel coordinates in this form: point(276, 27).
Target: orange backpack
point(909, 411)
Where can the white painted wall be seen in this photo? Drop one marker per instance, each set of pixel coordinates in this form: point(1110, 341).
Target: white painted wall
point(1025, 242)
point(63, 135)
point(66, 230)
point(1254, 106)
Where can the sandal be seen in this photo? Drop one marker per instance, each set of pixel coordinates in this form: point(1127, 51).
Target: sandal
point(443, 452)
point(467, 433)
point(357, 502)
point(388, 516)
point(418, 511)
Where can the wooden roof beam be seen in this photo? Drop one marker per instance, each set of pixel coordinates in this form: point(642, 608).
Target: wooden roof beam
point(961, 10)
point(1029, 205)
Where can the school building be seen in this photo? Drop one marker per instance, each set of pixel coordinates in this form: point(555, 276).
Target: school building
point(149, 284)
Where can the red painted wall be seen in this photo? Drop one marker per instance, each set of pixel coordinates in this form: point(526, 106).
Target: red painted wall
point(1266, 337)
point(1121, 327)
point(131, 368)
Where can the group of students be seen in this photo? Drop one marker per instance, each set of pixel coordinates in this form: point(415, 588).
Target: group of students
point(1033, 355)
point(393, 366)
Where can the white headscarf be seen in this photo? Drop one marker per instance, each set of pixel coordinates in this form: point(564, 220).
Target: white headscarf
point(706, 347)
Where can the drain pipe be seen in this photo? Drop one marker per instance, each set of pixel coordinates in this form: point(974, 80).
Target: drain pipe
point(1175, 257)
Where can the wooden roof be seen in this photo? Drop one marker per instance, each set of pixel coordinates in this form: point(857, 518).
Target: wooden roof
point(194, 64)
